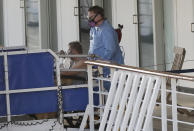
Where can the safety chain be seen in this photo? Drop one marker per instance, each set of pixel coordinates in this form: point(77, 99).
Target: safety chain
point(60, 106)
point(60, 115)
point(23, 123)
point(52, 126)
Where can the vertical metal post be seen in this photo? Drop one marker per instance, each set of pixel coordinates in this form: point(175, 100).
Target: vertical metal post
point(60, 101)
point(101, 89)
point(7, 88)
point(174, 105)
point(163, 105)
point(112, 70)
point(90, 94)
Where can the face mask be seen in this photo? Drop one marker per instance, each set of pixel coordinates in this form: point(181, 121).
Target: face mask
point(91, 22)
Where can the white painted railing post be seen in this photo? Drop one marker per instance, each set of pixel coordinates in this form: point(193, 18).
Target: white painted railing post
point(138, 102)
point(101, 89)
point(163, 104)
point(91, 100)
point(130, 102)
point(123, 101)
point(116, 100)
point(174, 104)
point(109, 101)
point(84, 120)
point(152, 104)
point(7, 87)
point(142, 111)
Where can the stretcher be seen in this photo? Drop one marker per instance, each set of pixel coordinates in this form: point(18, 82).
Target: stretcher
point(27, 85)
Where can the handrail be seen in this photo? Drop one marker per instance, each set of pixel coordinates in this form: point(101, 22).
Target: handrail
point(139, 70)
point(71, 56)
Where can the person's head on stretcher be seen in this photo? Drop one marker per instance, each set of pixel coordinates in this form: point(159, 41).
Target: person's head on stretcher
point(75, 48)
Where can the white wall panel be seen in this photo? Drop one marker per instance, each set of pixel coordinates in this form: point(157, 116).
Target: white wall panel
point(122, 13)
point(67, 22)
point(185, 38)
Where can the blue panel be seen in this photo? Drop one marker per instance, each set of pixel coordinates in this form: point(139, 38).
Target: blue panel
point(2, 74)
point(76, 99)
point(36, 71)
point(3, 111)
point(32, 71)
point(32, 103)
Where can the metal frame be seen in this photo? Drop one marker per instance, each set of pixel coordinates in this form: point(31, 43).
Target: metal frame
point(163, 76)
point(8, 91)
point(57, 62)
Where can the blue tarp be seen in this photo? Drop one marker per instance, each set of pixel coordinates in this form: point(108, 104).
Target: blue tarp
point(77, 99)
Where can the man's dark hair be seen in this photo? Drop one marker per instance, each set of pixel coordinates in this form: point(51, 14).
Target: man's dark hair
point(97, 10)
point(76, 46)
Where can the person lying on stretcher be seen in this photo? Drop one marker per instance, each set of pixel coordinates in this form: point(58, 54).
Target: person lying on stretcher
point(67, 77)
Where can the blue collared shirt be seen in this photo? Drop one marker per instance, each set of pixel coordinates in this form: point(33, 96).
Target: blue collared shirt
point(104, 43)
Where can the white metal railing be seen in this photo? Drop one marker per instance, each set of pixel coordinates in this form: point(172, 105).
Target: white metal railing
point(8, 91)
point(113, 113)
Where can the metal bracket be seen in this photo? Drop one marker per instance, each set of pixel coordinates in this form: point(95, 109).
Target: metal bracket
point(135, 19)
point(76, 11)
point(192, 27)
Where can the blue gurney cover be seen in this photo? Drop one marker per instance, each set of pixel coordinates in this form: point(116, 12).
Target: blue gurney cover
point(77, 99)
point(27, 71)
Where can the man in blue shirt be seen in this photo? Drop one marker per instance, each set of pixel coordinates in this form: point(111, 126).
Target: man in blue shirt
point(103, 40)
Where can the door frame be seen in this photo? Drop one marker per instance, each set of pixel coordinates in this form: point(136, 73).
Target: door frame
point(132, 30)
point(158, 35)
